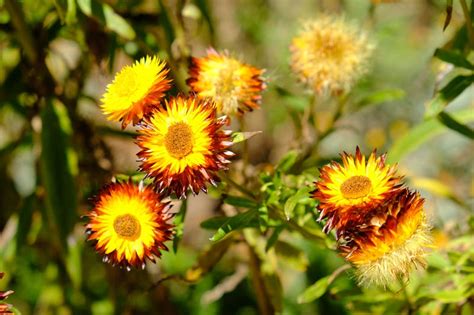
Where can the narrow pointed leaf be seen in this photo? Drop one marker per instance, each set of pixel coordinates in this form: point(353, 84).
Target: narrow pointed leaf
point(58, 164)
point(424, 132)
point(179, 224)
point(447, 94)
point(239, 221)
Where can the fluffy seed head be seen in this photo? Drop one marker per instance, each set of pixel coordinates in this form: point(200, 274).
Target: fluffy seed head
point(330, 55)
point(389, 241)
point(235, 87)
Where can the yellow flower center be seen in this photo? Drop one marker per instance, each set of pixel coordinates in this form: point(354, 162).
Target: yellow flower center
point(127, 226)
point(225, 84)
point(179, 140)
point(356, 187)
point(130, 85)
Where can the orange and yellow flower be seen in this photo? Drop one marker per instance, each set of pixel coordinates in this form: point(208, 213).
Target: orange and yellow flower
point(350, 190)
point(129, 223)
point(388, 243)
point(136, 90)
point(183, 146)
point(330, 55)
point(5, 308)
point(234, 86)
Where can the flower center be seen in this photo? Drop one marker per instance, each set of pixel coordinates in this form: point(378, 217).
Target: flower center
point(356, 187)
point(127, 226)
point(179, 140)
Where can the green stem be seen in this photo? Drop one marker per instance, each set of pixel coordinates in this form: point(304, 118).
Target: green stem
point(341, 103)
point(240, 188)
point(245, 147)
point(467, 16)
point(263, 299)
point(338, 271)
point(411, 308)
point(24, 35)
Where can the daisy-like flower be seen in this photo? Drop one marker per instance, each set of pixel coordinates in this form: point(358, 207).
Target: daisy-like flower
point(330, 55)
point(390, 242)
point(234, 86)
point(128, 224)
point(135, 90)
point(5, 308)
point(182, 145)
point(349, 190)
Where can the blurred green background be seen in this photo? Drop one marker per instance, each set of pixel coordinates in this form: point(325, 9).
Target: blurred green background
point(57, 149)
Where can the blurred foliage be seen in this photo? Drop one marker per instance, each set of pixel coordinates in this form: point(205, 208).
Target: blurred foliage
point(254, 245)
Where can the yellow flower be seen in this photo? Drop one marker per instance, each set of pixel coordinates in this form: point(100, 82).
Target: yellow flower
point(390, 242)
point(182, 145)
point(353, 188)
point(135, 90)
point(128, 224)
point(330, 55)
point(235, 87)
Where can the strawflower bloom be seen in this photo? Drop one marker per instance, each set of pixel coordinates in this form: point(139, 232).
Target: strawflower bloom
point(4, 308)
point(135, 90)
point(183, 146)
point(390, 242)
point(349, 190)
point(129, 223)
point(330, 55)
point(234, 86)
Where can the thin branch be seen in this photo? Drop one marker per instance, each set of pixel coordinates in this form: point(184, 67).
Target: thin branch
point(467, 16)
point(24, 34)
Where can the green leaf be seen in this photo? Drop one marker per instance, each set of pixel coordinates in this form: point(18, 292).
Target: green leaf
point(71, 12)
point(240, 202)
point(450, 296)
point(315, 291)
point(453, 124)
point(242, 136)
point(296, 102)
point(274, 237)
point(106, 15)
point(383, 96)
point(74, 262)
point(179, 224)
point(214, 223)
point(290, 204)
point(447, 94)
point(58, 164)
point(263, 218)
point(239, 221)
point(287, 161)
point(204, 8)
point(424, 132)
point(118, 24)
point(24, 221)
point(454, 58)
point(291, 255)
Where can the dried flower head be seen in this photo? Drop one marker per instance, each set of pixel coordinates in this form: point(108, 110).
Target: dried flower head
point(5, 308)
point(129, 223)
point(234, 86)
point(182, 145)
point(330, 55)
point(135, 90)
point(389, 242)
point(350, 190)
